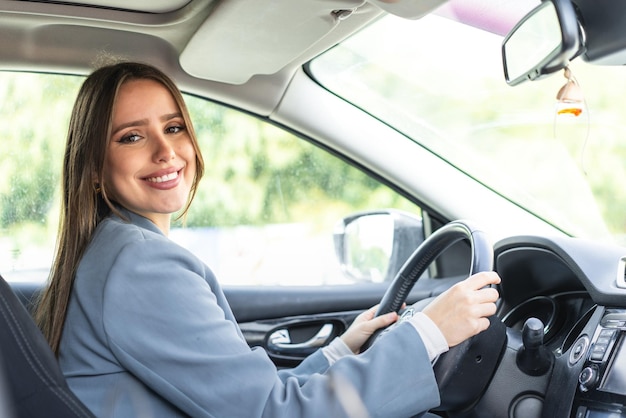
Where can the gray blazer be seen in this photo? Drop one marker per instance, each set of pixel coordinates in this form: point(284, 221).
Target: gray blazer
point(149, 333)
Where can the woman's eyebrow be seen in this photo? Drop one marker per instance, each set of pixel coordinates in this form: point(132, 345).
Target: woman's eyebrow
point(170, 116)
point(143, 122)
point(140, 122)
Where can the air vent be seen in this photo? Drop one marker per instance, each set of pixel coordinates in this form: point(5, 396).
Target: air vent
point(621, 273)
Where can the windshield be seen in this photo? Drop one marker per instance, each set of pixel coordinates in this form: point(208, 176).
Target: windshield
point(441, 83)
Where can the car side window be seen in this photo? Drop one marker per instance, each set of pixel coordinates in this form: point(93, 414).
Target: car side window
point(35, 111)
point(264, 214)
point(267, 207)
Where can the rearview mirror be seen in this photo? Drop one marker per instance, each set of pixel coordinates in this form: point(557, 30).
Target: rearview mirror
point(543, 42)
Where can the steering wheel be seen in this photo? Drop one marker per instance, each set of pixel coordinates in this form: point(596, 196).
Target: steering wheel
point(464, 371)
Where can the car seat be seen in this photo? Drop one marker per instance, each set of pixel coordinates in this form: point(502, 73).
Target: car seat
point(36, 386)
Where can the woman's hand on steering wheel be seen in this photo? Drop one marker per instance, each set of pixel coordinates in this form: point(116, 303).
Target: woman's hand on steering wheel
point(364, 326)
point(463, 310)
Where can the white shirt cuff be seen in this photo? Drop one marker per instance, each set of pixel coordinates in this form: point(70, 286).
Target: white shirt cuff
point(433, 339)
point(336, 350)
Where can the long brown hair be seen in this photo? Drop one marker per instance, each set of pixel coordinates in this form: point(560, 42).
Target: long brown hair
point(85, 200)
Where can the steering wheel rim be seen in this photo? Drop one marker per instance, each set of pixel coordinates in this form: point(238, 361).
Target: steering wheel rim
point(463, 372)
point(428, 251)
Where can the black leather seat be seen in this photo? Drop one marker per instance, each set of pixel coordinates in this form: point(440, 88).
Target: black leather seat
point(36, 386)
point(6, 401)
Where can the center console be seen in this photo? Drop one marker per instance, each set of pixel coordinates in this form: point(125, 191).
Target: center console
point(601, 391)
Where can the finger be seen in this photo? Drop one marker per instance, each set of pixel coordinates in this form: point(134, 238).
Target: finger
point(474, 327)
point(381, 321)
point(483, 324)
point(374, 308)
point(366, 315)
point(484, 310)
point(480, 280)
point(488, 294)
point(479, 325)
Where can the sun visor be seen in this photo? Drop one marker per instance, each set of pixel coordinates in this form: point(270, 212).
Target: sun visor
point(242, 38)
point(141, 6)
point(408, 9)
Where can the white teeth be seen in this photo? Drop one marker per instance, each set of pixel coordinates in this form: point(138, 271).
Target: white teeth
point(166, 177)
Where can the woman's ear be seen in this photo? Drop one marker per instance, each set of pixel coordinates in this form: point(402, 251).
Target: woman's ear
point(96, 182)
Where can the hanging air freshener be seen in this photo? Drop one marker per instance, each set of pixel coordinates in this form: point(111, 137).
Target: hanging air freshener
point(570, 105)
point(570, 99)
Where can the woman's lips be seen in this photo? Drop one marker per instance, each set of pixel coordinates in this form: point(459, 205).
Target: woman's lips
point(164, 181)
point(164, 178)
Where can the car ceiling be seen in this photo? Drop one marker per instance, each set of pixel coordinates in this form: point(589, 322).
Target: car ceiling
point(243, 52)
point(232, 48)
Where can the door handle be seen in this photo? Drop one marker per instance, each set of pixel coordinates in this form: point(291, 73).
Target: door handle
point(280, 340)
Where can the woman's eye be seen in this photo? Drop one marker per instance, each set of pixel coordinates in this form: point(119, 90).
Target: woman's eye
point(174, 129)
point(130, 138)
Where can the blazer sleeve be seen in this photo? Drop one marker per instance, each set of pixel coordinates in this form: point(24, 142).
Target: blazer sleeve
point(164, 324)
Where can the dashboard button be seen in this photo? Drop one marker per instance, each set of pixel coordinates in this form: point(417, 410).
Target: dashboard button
point(588, 378)
point(578, 350)
point(607, 333)
point(598, 352)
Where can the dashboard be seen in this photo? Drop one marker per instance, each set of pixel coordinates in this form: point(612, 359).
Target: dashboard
point(576, 289)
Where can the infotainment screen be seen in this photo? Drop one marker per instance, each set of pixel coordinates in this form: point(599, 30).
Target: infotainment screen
point(615, 380)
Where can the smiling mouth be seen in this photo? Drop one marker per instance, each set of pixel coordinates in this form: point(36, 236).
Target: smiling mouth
point(164, 178)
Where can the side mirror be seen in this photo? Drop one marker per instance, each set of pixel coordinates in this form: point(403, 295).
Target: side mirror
point(372, 246)
point(543, 42)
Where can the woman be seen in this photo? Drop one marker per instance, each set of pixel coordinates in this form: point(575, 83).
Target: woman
point(141, 326)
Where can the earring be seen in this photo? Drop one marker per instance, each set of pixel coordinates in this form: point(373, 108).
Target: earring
point(98, 188)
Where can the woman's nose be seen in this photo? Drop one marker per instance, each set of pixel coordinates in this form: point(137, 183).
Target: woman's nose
point(163, 149)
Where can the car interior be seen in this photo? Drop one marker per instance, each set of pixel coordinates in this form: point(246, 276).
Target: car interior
point(557, 345)
point(32, 382)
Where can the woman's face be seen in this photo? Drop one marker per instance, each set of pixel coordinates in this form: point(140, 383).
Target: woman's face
point(151, 161)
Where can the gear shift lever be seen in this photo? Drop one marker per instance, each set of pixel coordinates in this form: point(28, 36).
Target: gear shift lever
point(534, 358)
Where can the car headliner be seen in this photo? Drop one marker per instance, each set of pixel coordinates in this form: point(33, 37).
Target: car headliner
point(243, 52)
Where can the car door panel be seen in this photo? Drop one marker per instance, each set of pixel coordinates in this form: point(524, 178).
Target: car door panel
point(290, 323)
